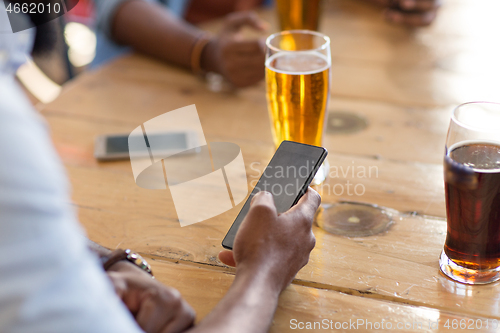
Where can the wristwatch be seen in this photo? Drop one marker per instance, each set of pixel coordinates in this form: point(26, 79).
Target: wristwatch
point(129, 255)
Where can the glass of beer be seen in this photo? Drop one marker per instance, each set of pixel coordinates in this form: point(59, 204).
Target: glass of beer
point(298, 14)
point(298, 87)
point(472, 183)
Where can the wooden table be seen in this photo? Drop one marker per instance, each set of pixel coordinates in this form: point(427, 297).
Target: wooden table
point(405, 84)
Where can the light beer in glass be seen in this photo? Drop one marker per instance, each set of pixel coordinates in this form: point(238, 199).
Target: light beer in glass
point(298, 66)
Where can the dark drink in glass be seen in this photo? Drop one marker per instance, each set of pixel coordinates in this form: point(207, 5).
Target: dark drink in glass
point(472, 185)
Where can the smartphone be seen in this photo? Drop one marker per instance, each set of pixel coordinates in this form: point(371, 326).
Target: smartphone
point(115, 147)
point(286, 177)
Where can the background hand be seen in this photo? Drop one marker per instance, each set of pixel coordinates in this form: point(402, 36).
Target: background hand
point(278, 245)
point(156, 307)
point(238, 59)
point(415, 13)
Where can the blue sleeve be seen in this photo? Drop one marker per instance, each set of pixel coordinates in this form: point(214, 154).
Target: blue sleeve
point(105, 12)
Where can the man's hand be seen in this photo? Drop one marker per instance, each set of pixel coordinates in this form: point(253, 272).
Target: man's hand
point(239, 60)
point(272, 244)
point(415, 13)
point(156, 308)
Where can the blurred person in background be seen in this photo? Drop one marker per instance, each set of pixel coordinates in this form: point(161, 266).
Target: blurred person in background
point(51, 282)
point(156, 28)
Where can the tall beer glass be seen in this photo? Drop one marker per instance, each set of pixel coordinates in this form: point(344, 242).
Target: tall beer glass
point(472, 183)
point(298, 87)
point(298, 14)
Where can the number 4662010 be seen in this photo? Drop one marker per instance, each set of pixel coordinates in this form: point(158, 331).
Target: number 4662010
point(471, 324)
point(33, 8)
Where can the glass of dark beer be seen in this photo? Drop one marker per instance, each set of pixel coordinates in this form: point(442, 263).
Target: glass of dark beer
point(472, 185)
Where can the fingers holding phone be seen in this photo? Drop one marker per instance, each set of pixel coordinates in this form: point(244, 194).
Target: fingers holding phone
point(287, 177)
point(272, 233)
point(277, 245)
point(306, 208)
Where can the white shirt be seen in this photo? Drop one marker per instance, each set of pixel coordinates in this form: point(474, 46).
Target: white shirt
point(49, 280)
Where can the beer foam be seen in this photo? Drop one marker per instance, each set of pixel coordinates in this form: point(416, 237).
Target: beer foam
point(298, 63)
point(493, 167)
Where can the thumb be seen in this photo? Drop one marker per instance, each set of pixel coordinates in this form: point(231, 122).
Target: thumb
point(118, 282)
point(307, 205)
point(227, 258)
point(263, 198)
point(236, 21)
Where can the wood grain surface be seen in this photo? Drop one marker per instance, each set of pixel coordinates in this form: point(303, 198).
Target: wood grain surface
point(402, 82)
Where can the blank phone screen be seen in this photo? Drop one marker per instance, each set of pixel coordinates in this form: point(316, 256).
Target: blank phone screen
point(288, 174)
point(167, 141)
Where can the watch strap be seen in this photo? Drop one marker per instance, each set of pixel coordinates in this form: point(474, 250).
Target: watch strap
point(129, 255)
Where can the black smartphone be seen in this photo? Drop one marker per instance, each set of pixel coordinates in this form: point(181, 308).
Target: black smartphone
point(286, 177)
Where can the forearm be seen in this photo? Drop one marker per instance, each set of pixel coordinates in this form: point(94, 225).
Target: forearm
point(248, 306)
point(98, 249)
point(151, 29)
